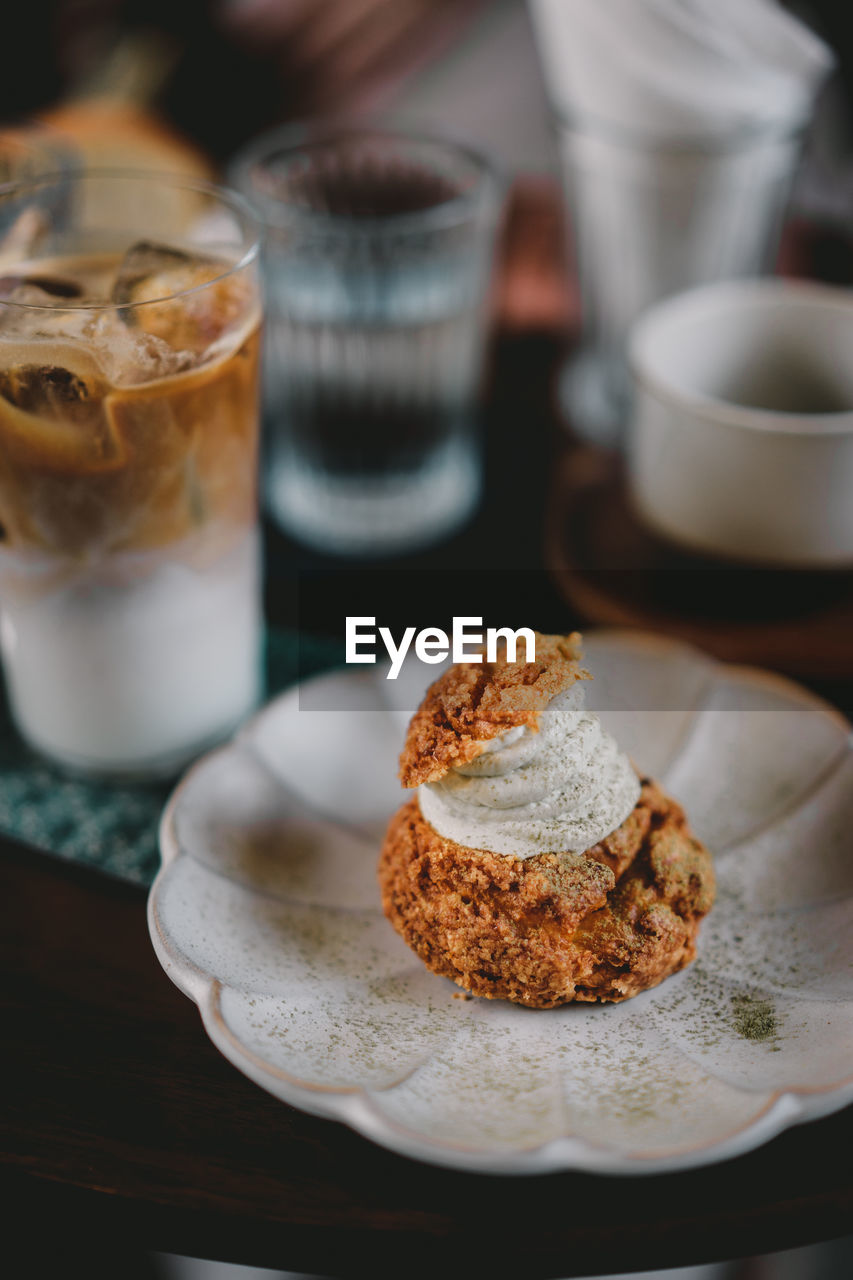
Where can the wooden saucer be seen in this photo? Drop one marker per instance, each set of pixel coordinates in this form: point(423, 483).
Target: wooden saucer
point(614, 572)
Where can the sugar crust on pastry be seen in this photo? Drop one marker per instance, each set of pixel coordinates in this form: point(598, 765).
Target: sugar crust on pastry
point(541, 931)
point(472, 703)
point(554, 927)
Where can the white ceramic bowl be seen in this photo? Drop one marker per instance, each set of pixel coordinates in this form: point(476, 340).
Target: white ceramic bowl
point(741, 441)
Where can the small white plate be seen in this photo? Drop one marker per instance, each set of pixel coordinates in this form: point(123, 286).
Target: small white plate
point(266, 913)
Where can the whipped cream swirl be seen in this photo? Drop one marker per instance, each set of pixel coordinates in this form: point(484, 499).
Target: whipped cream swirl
point(563, 788)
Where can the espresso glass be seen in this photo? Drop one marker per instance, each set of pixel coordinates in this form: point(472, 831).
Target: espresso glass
point(377, 266)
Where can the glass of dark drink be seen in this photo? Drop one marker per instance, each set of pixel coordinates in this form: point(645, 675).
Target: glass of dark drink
point(378, 260)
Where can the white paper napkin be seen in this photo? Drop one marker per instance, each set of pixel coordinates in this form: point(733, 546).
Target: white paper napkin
point(679, 68)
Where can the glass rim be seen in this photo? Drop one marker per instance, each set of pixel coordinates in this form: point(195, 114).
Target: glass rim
point(745, 137)
point(225, 195)
point(294, 138)
point(715, 409)
point(31, 136)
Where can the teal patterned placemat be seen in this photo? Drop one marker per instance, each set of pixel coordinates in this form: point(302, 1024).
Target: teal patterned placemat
point(113, 826)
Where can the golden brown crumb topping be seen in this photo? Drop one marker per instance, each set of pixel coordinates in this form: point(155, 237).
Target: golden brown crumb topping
point(541, 931)
point(473, 702)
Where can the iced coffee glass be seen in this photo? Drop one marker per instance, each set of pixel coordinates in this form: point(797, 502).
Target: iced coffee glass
point(129, 574)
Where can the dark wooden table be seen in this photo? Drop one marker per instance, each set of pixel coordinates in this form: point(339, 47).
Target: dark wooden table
point(123, 1125)
point(124, 1128)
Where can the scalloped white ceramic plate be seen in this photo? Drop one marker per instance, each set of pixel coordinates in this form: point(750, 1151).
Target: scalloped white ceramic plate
point(266, 913)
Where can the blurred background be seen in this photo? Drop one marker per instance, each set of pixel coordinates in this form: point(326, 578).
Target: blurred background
point(219, 72)
point(186, 85)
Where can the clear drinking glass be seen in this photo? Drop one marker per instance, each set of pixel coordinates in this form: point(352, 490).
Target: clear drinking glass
point(129, 583)
point(31, 150)
point(651, 217)
point(377, 267)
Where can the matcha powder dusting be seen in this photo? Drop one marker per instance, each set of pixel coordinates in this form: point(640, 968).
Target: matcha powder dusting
point(754, 1019)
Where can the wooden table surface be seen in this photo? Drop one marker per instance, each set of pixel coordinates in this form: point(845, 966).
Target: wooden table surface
point(123, 1124)
point(126, 1124)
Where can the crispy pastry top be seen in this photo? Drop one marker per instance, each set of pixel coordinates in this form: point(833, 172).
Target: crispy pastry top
point(475, 701)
